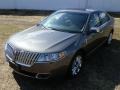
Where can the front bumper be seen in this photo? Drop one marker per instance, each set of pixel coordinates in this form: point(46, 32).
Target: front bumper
point(42, 70)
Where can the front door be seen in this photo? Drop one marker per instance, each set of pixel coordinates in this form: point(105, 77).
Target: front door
point(93, 39)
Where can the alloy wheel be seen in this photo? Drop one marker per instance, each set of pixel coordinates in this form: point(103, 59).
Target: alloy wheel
point(110, 39)
point(76, 65)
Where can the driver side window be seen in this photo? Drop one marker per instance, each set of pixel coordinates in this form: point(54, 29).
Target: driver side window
point(94, 21)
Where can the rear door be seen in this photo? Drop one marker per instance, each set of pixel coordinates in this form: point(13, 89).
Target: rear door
point(105, 25)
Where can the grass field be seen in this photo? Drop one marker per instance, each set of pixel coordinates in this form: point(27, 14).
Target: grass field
point(100, 72)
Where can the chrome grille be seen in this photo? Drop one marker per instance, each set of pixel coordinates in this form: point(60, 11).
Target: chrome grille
point(26, 58)
point(22, 57)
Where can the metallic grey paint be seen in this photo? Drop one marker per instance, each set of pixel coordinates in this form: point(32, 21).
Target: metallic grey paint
point(35, 40)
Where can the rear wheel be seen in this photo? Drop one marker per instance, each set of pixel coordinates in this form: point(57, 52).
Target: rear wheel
point(109, 40)
point(75, 66)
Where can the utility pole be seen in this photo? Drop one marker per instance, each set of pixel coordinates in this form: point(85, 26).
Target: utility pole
point(86, 4)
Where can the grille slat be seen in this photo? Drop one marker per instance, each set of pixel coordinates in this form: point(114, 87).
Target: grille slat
point(34, 58)
point(26, 56)
point(31, 60)
point(19, 57)
point(37, 57)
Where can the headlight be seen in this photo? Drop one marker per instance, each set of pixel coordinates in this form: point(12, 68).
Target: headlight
point(51, 57)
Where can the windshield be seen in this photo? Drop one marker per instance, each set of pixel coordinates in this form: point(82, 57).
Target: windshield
point(66, 21)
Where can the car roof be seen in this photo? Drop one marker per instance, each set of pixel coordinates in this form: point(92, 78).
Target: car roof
point(79, 10)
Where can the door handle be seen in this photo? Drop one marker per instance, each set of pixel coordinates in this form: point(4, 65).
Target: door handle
point(101, 31)
point(92, 35)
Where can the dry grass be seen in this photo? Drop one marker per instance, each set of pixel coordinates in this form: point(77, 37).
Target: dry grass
point(101, 72)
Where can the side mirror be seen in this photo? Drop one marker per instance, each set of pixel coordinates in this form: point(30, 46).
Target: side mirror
point(94, 30)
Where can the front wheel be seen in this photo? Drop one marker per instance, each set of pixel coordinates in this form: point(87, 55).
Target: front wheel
point(75, 66)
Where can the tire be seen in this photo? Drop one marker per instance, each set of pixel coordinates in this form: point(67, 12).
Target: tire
point(109, 40)
point(75, 66)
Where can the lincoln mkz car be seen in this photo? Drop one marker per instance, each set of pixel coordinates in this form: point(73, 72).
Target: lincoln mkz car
point(58, 44)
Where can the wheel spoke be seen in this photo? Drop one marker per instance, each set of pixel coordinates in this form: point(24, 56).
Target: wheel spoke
point(76, 65)
point(110, 38)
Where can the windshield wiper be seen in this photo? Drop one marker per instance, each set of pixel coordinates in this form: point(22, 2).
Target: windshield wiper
point(52, 28)
point(41, 25)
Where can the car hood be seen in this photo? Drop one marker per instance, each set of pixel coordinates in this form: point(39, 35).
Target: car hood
point(44, 41)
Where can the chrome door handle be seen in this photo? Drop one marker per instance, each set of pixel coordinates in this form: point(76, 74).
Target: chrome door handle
point(101, 31)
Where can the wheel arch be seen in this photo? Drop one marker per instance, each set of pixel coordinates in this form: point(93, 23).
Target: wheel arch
point(112, 30)
point(81, 52)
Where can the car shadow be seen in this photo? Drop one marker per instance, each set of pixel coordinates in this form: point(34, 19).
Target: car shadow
point(101, 71)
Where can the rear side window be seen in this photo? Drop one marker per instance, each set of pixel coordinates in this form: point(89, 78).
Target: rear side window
point(104, 17)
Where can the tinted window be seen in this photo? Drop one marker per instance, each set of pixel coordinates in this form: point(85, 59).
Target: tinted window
point(66, 21)
point(94, 20)
point(104, 17)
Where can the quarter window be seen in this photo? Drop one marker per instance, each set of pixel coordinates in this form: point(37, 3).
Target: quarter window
point(104, 17)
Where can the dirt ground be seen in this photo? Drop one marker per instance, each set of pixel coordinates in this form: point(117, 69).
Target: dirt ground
point(100, 72)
